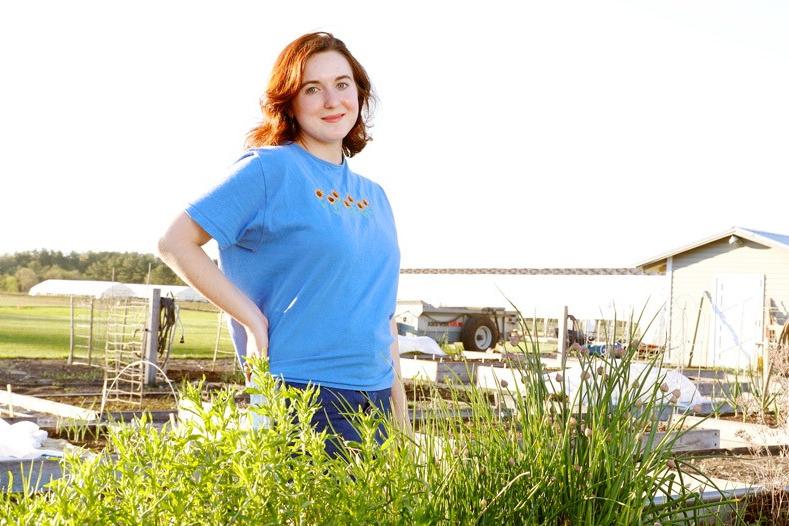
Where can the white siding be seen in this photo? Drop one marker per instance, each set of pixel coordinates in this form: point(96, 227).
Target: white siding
point(694, 275)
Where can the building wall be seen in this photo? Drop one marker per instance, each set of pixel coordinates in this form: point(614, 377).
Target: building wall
point(694, 275)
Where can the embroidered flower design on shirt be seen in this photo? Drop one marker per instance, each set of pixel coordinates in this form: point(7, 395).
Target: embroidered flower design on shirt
point(334, 196)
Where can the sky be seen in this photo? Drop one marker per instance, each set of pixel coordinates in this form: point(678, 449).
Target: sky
point(525, 134)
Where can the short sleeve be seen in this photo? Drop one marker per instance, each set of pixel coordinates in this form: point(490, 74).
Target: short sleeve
point(227, 211)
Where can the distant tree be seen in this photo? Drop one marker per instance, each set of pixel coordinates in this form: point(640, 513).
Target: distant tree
point(26, 279)
point(53, 272)
point(161, 274)
point(56, 272)
point(9, 283)
point(127, 267)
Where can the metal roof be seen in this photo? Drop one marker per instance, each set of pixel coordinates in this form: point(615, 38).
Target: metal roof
point(764, 238)
point(531, 271)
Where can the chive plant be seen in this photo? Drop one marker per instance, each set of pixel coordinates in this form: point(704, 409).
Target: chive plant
point(591, 458)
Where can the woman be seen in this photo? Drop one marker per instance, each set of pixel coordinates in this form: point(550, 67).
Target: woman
point(308, 249)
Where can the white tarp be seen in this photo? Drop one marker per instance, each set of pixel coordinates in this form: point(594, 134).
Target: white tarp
point(424, 344)
point(81, 287)
point(689, 395)
point(111, 289)
point(21, 440)
point(179, 292)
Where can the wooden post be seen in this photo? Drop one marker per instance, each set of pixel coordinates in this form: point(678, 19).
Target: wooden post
point(534, 327)
point(563, 336)
point(218, 335)
point(90, 333)
point(71, 332)
point(152, 337)
point(10, 404)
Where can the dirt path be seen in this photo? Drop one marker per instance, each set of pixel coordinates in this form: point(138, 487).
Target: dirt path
point(40, 377)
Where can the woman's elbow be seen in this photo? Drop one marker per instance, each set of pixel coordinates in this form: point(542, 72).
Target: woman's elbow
point(181, 234)
point(164, 247)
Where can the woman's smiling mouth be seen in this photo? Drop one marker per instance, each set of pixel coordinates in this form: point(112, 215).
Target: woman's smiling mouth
point(333, 118)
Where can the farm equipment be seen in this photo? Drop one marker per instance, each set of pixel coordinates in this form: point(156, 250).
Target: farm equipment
point(479, 329)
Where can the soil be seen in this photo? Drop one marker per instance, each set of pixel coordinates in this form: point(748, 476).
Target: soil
point(81, 385)
point(771, 472)
point(768, 419)
point(763, 470)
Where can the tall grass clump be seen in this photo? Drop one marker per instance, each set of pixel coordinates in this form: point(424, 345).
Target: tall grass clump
point(593, 458)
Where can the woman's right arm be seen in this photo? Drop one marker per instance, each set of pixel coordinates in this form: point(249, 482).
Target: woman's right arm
point(181, 248)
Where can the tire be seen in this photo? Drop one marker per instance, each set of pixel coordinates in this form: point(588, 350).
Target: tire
point(479, 334)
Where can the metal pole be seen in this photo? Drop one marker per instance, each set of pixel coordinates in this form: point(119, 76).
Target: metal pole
point(534, 326)
point(152, 337)
point(563, 336)
point(90, 333)
point(71, 332)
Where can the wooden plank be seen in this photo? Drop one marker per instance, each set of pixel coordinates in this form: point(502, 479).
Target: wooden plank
point(414, 369)
point(693, 440)
point(40, 405)
point(457, 372)
point(37, 473)
point(499, 378)
point(741, 435)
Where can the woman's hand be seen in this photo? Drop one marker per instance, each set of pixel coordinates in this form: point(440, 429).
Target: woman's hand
point(257, 342)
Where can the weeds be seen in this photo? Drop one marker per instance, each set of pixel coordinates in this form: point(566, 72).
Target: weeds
point(591, 458)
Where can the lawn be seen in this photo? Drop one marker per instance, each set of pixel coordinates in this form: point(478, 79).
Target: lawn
point(38, 327)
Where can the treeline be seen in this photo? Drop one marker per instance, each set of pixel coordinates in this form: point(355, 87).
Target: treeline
point(20, 271)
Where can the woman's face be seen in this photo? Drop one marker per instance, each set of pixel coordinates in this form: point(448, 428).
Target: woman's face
point(327, 104)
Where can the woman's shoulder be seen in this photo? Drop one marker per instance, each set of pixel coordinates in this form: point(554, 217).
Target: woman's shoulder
point(268, 154)
point(369, 183)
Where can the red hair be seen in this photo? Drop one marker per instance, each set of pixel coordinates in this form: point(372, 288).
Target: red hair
point(278, 125)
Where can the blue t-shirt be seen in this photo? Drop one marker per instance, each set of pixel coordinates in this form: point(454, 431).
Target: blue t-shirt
point(314, 246)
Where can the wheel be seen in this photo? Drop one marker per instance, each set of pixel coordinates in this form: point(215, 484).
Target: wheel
point(479, 334)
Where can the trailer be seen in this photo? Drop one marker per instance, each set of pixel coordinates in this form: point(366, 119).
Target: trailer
point(478, 328)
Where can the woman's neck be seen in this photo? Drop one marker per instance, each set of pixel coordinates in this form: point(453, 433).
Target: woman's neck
point(331, 153)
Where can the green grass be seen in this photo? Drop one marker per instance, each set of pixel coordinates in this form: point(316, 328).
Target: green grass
point(38, 327)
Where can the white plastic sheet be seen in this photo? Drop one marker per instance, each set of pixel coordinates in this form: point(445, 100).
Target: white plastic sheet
point(424, 344)
point(21, 441)
point(689, 395)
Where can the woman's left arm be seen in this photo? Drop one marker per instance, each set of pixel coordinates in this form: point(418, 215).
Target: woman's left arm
point(399, 402)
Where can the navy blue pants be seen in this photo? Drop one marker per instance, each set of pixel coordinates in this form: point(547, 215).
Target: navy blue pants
point(337, 403)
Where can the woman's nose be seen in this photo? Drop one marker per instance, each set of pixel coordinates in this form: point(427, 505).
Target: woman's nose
point(331, 98)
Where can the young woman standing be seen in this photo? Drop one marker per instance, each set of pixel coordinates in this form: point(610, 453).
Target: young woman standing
point(308, 249)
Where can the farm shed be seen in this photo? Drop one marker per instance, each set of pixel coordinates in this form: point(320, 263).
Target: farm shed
point(728, 297)
point(79, 287)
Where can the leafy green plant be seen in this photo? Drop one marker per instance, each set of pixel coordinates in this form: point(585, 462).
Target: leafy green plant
point(593, 457)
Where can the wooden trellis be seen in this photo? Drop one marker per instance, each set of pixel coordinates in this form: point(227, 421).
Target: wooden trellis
point(124, 370)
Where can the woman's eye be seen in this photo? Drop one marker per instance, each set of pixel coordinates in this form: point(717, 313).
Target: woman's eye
point(310, 90)
point(342, 85)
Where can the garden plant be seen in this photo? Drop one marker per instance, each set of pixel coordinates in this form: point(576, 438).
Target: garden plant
point(593, 458)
